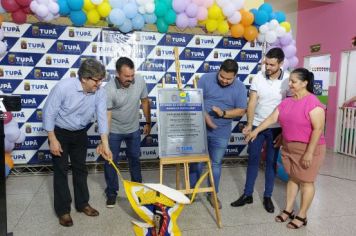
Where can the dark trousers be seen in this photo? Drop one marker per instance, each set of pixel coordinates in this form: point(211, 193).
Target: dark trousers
point(74, 144)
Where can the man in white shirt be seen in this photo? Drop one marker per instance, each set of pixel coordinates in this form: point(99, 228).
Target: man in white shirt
point(267, 90)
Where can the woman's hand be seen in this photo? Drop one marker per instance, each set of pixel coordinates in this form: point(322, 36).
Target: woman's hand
point(307, 160)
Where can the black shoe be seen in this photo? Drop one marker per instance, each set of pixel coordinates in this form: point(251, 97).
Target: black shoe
point(110, 202)
point(242, 201)
point(268, 204)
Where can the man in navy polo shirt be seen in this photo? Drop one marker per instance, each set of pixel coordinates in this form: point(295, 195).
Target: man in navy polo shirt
point(266, 92)
point(225, 98)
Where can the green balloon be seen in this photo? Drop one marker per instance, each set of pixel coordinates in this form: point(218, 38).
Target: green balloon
point(170, 17)
point(161, 9)
point(162, 26)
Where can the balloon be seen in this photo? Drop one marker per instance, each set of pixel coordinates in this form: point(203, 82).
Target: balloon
point(8, 160)
point(53, 7)
point(19, 16)
point(228, 9)
point(293, 62)
point(285, 63)
point(162, 26)
point(237, 31)
point(117, 16)
point(2, 34)
point(208, 3)
point(117, 3)
point(161, 9)
point(10, 5)
point(261, 17)
point(191, 10)
point(211, 25)
point(214, 12)
point(24, 3)
point(247, 18)
point(179, 5)
point(150, 7)
point(182, 21)
point(64, 9)
point(130, 10)
point(88, 5)
point(238, 4)
point(104, 9)
point(286, 39)
point(93, 16)
point(192, 22)
point(289, 51)
point(170, 17)
point(138, 22)
point(266, 7)
point(280, 16)
point(285, 25)
point(126, 26)
point(280, 31)
point(273, 24)
point(75, 5)
point(78, 18)
point(1, 20)
point(151, 19)
point(42, 11)
point(235, 18)
point(202, 13)
point(250, 33)
point(21, 138)
point(96, 2)
point(261, 38)
point(9, 146)
point(2, 10)
point(271, 36)
point(199, 2)
point(223, 27)
point(263, 29)
point(12, 131)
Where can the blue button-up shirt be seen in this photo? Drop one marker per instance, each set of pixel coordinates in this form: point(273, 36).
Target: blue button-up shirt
point(71, 108)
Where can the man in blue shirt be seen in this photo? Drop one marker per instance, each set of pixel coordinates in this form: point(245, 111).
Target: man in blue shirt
point(225, 98)
point(69, 108)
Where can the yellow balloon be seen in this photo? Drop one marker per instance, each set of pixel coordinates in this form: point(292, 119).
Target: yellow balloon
point(214, 12)
point(211, 25)
point(93, 17)
point(88, 5)
point(104, 9)
point(285, 25)
point(223, 27)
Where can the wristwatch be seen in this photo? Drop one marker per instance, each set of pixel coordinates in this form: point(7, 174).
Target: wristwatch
point(223, 115)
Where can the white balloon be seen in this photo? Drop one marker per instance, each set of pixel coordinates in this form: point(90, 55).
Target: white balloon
point(222, 3)
point(140, 2)
point(273, 24)
point(271, 37)
point(238, 4)
point(33, 6)
point(96, 2)
point(21, 138)
point(44, 2)
point(235, 18)
point(150, 7)
point(141, 9)
point(261, 38)
point(280, 31)
point(228, 10)
point(263, 28)
point(53, 7)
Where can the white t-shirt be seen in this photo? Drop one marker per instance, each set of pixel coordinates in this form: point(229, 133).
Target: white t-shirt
point(270, 93)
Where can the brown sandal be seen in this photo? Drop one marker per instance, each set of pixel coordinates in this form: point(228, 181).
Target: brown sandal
point(280, 219)
point(292, 225)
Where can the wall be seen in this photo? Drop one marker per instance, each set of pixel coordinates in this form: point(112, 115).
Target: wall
point(331, 25)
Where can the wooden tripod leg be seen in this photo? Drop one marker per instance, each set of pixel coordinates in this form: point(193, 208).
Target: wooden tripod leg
point(215, 198)
point(177, 176)
point(160, 173)
point(186, 176)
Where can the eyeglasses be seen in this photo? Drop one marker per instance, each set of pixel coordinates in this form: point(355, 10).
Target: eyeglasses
point(97, 81)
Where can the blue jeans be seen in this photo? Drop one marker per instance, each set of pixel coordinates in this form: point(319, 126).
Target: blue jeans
point(254, 150)
point(133, 152)
point(216, 148)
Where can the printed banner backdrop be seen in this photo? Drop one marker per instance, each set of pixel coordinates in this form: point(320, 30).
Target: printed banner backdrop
point(40, 55)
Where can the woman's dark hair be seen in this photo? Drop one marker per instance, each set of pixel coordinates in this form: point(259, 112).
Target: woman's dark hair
point(305, 75)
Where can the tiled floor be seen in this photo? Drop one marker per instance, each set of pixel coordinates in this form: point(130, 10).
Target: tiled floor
point(333, 211)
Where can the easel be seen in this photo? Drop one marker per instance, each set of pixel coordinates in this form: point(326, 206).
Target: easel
point(186, 160)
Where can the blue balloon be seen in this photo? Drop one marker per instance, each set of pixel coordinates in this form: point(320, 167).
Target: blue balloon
point(267, 7)
point(78, 18)
point(130, 10)
point(272, 16)
point(117, 16)
point(261, 17)
point(138, 22)
point(64, 9)
point(2, 10)
point(116, 3)
point(126, 26)
point(150, 18)
point(280, 16)
point(253, 11)
point(75, 5)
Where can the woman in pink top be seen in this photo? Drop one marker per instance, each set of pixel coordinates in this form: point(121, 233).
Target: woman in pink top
point(302, 119)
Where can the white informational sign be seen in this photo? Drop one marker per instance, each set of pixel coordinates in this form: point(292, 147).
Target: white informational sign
point(181, 123)
point(320, 66)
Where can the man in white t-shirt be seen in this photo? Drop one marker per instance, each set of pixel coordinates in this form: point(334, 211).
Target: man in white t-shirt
point(267, 90)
